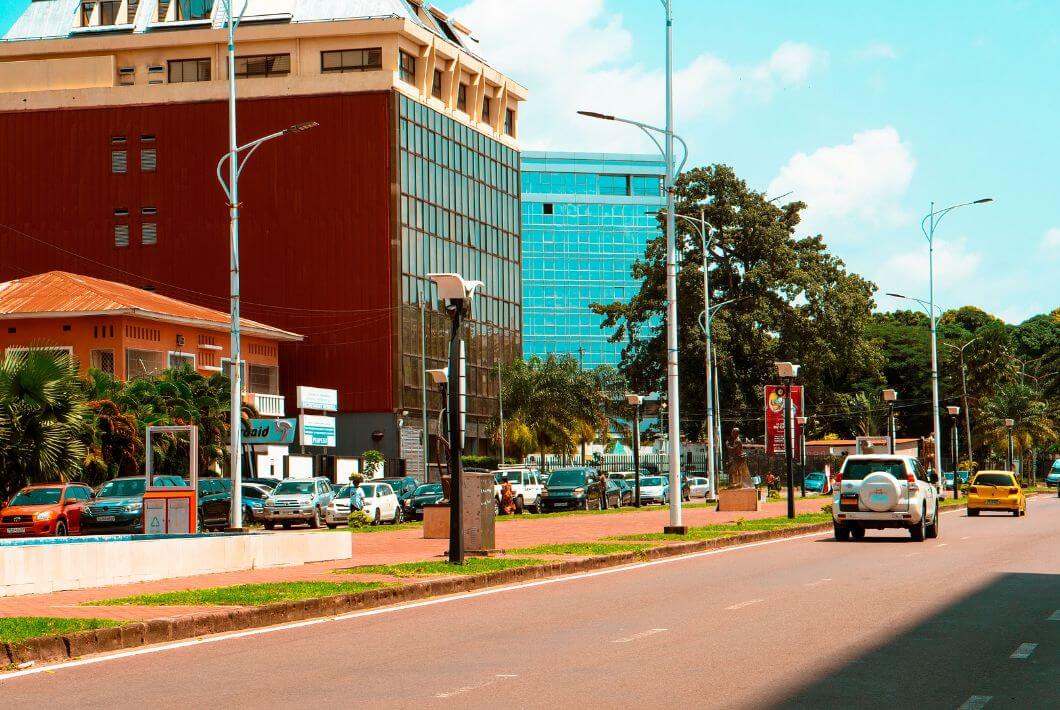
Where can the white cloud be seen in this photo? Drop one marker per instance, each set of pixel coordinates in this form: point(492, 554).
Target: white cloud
point(907, 269)
point(864, 179)
point(1050, 244)
point(877, 50)
point(578, 54)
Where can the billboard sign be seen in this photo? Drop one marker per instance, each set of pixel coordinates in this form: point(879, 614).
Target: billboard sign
point(316, 430)
point(269, 431)
point(775, 396)
point(317, 398)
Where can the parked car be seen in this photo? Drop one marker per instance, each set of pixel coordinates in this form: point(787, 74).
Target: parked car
point(254, 496)
point(267, 483)
point(947, 479)
point(698, 487)
point(526, 487)
point(654, 489)
point(403, 487)
point(297, 501)
point(44, 510)
point(1052, 479)
point(381, 503)
point(996, 490)
point(426, 494)
point(885, 491)
point(214, 503)
point(816, 482)
point(118, 505)
point(338, 511)
point(577, 488)
point(627, 490)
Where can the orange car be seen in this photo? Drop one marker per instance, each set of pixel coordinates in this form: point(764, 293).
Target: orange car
point(44, 509)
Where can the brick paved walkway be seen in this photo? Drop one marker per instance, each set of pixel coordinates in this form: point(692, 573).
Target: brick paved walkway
point(383, 547)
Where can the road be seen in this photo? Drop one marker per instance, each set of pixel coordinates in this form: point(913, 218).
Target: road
point(958, 622)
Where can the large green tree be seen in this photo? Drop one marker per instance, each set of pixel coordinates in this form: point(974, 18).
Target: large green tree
point(791, 300)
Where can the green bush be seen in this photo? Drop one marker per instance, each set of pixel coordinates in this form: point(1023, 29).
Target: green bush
point(826, 508)
point(489, 462)
point(360, 519)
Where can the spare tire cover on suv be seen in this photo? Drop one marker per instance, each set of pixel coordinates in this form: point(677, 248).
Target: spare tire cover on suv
point(879, 492)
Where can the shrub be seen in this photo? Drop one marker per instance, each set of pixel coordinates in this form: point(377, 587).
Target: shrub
point(359, 519)
point(826, 508)
point(489, 462)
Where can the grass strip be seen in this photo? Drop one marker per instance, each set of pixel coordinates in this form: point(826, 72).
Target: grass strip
point(14, 629)
point(471, 566)
point(711, 532)
point(242, 594)
point(582, 548)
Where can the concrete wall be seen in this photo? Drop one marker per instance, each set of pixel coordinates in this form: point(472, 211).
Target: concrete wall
point(84, 563)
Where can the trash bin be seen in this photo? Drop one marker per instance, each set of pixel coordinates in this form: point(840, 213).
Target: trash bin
point(478, 513)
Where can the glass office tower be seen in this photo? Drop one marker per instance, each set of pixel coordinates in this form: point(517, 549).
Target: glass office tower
point(585, 221)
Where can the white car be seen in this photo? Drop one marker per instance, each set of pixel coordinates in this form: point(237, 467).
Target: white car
point(884, 491)
point(655, 489)
point(526, 487)
point(698, 487)
point(380, 503)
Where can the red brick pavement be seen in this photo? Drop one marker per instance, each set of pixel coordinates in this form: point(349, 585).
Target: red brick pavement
point(383, 547)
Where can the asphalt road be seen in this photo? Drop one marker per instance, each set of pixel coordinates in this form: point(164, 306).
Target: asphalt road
point(803, 623)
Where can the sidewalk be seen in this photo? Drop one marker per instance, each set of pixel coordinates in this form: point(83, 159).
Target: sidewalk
point(382, 547)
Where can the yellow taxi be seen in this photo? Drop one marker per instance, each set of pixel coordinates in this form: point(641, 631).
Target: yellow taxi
point(996, 490)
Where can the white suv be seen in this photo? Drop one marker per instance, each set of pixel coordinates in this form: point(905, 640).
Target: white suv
point(884, 492)
point(526, 487)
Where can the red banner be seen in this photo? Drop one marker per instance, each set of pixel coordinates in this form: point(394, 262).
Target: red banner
point(775, 403)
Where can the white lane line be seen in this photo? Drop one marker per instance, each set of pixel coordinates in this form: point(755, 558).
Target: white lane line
point(942, 544)
point(976, 702)
point(1024, 651)
point(967, 537)
point(819, 582)
point(399, 607)
point(641, 635)
point(741, 605)
point(468, 688)
point(1055, 616)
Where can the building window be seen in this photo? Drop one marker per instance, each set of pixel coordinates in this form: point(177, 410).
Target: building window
point(613, 185)
point(133, 5)
point(263, 379)
point(194, 9)
point(108, 12)
point(647, 186)
point(226, 370)
point(119, 162)
point(86, 12)
point(436, 84)
point(263, 65)
point(149, 234)
point(183, 70)
point(461, 97)
point(548, 208)
point(142, 363)
point(148, 160)
point(350, 60)
point(509, 122)
point(121, 235)
point(406, 67)
point(103, 360)
point(180, 359)
point(487, 108)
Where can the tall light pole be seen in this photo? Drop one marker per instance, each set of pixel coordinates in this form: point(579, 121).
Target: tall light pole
point(927, 226)
point(635, 400)
point(890, 397)
point(423, 387)
point(801, 421)
point(954, 412)
point(500, 401)
point(1009, 423)
point(706, 317)
point(787, 373)
point(964, 393)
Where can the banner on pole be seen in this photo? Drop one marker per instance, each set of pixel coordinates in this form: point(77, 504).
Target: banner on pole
point(775, 396)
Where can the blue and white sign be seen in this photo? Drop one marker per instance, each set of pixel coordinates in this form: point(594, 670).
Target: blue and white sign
point(270, 431)
point(316, 430)
point(316, 398)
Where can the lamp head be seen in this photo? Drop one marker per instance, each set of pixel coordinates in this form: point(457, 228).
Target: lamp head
point(302, 127)
point(801, 421)
point(983, 200)
point(786, 370)
point(595, 114)
point(635, 399)
point(890, 395)
point(439, 377)
point(1010, 423)
point(953, 411)
point(453, 287)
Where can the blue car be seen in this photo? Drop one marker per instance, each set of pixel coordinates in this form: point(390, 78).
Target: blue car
point(1052, 479)
point(816, 482)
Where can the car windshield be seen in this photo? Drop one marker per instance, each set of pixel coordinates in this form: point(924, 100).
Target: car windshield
point(396, 483)
point(993, 479)
point(123, 487)
point(817, 476)
point(567, 477)
point(501, 476)
point(293, 488)
point(859, 470)
point(429, 489)
point(652, 481)
point(37, 496)
point(370, 491)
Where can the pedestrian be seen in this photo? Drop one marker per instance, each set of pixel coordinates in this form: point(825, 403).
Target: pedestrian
point(507, 498)
point(601, 482)
point(356, 498)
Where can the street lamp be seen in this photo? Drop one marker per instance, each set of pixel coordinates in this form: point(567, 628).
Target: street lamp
point(890, 397)
point(954, 448)
point(236, 164)
point(635, 400)
point(672, 368)
point(788, 372)
point(1009, 423)
point(964, 392)
point(801, 421)
point(459, 297)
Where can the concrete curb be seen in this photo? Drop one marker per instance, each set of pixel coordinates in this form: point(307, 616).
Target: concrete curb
point(83, 643)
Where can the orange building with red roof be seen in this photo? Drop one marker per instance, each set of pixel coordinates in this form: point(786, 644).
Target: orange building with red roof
point(129, 332)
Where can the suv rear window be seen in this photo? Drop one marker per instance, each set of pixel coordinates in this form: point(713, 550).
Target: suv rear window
point(993, 479)
point(859, 470)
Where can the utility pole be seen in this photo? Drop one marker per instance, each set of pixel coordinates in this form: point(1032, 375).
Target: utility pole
point(423, 387)
point(581, 366)
point(500, 397)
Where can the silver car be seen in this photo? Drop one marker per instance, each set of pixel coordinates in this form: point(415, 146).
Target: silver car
point(297, 501)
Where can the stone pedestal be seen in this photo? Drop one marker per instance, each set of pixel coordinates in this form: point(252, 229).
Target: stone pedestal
point(436, 521)
point(738, 499)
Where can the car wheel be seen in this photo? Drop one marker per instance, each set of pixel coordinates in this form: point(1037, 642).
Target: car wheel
point(332, 526)
point(1016, 513)
point(269, 525)
point(519, 505)
point(973, 513)
point(60, 529)
point(842, 532)
point(496, 507)
point(314, 522)
point(398, 516)
point(857, 533)
point(286, 526)
point(933, 529)
point(538, 508)
point(376, 520)
point(919, 531)
point(543, 508)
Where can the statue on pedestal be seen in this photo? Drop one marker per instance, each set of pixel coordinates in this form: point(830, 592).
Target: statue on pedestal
point(739, 474)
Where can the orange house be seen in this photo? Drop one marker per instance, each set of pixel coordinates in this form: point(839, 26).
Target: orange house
point(128, 332)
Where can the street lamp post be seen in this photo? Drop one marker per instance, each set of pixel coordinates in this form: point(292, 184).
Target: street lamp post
point(890, 397)
point(964, 393)
point(801, 421)
point(788, 372)
point(635, 400)
point(1009, 423)
point(954, 450)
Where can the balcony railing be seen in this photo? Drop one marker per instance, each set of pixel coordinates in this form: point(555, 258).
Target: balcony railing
point(268, 405)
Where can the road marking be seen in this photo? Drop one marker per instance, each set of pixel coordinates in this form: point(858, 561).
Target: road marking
point(942, 544)
point(976, 702)
point(819, 582)
point(1024, 651)
point(468, 688)
point(741, 605)
point(912, 554)
point(1055, 616)
point(641, 635)
point(401, 607)
point(967, 537)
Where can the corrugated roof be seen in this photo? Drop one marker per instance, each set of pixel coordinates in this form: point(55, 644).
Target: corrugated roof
point(57, 292)
point(44, 19)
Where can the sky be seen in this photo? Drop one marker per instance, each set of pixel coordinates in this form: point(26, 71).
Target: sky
point(867, 115)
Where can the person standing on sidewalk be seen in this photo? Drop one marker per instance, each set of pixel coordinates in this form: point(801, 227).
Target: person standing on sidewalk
point(601, 482)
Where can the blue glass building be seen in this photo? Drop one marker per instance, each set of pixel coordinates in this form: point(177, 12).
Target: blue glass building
point(585, 221)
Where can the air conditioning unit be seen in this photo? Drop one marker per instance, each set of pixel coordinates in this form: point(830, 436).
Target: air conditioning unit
point(156, 74)
point(127, 76)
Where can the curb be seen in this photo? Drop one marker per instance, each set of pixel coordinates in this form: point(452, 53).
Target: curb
point(72, 646)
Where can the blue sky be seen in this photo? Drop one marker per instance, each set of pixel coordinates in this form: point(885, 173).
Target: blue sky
point(866, 114)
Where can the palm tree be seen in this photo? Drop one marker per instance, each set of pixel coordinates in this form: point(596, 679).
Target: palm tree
point(115, 447)
point(1020, 402)
point(42, 409)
